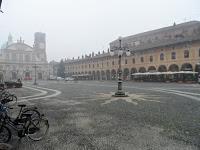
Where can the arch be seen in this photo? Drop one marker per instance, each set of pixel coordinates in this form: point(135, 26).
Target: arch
point(162, 68)
point(126, 74)
point(133, 70)
point(142, 70)
point(98, 75)
point(173, 68)
point(90, 75)
point(113, 74)
point(152, 69)
point(14, 75)
point(1, 77)
point(27, 76)
point(186, 67)
point(108, 74)
point(93, 75)
point(103, 75)
point(40, 76)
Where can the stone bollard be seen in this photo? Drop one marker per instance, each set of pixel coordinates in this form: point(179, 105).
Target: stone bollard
point(4, 146)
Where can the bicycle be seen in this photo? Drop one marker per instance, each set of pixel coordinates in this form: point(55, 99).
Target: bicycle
point(6, 96)
point(26, 125)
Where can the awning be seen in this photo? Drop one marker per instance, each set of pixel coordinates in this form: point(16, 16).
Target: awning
point(164, 73)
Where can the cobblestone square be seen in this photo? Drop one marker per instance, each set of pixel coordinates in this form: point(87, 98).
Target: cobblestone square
point(84, 115)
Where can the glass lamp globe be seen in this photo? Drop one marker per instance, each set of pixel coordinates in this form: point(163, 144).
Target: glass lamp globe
point(112, 53)
point(128, 53)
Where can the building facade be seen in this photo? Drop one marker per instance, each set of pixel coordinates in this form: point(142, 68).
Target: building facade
point(171, 49)
point(19, 60)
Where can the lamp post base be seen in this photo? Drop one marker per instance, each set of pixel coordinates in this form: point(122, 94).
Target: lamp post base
point(120, 94)
point(35, 83)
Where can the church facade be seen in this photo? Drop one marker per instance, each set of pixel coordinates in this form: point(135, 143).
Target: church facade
point(21, 61)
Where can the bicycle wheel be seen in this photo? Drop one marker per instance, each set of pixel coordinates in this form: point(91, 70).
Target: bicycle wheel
point(37, 129)
point(5, 134)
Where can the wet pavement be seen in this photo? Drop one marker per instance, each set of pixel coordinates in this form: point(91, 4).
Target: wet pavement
point(85, 116)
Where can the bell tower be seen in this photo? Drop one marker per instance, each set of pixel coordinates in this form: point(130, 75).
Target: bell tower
point(40, 45)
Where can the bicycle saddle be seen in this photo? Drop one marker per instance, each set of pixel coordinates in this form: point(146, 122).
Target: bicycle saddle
point(22, 105)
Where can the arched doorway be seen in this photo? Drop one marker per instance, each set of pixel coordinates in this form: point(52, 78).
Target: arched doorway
point(173, 77)
point(162, 77)
point(152, 69)
point(162, 68)
point(173, 68)
point(93, 75)
point(108, 74)
point(14, 75)
point(98, 75)
point(133, 70)
point(27, 76)
point(142, 70)
point(103, 75)
point(186, 67)
point(126, 74)
point(40, 76)
point(90, 75)
point(113, 74)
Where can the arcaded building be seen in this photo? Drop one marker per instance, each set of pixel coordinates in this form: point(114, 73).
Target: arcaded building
point(171, 49)
point(18, 59)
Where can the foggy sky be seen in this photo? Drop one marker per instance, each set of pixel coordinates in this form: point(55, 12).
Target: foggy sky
point(76, 27)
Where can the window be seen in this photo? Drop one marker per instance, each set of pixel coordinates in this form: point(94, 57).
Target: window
point(27, 58)
point(142, 59)
point(14, 56)
point(133, 60)
point(186, 54)
point(151, 58)
point(126, 61)
point(89, 65)
point(93, 65)
point(161, 56)
point(113, 63)
point(173, 55)
point(107, 64)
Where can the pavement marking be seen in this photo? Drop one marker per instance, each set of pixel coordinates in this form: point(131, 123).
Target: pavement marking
point(42, 92)
point(183, 92)
point(56, 93)
point(180, 93)
point(177, 93)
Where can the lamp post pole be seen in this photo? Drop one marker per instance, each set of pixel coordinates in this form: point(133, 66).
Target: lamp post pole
point(35, 81)
point(120, 92)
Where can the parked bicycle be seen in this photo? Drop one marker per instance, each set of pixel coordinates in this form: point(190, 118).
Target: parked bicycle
point(27, 124)
point(7, 97)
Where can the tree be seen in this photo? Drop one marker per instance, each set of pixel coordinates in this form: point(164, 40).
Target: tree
point(61, 69)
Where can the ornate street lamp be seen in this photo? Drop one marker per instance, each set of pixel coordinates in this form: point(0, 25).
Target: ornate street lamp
point(119, 52)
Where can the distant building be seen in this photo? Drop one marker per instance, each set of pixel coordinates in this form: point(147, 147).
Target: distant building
point(171, 49)
point(17, 59)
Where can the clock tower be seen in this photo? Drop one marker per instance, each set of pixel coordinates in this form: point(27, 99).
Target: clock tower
point(40, 46)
